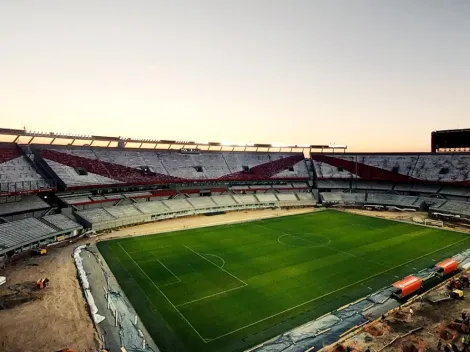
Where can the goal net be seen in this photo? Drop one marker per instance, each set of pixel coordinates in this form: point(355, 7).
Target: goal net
point(432, 222)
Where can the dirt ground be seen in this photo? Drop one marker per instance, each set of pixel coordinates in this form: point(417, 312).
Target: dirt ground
point(56, 317)
point(47, 320)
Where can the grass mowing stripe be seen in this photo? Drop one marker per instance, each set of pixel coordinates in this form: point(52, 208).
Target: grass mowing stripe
point(161, 292)
point(335, 291)
point(356, 256)
point(327, 245)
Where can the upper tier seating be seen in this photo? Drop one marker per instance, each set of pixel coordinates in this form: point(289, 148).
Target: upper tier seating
point(16, 173)
point(450, 168)
point(86, 166)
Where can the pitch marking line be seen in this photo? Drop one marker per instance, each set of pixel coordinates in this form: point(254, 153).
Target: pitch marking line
point(356, 256)
point(334, 291)
point(213, 255)
point(213, 295)
point(225, 271)
point(163, 294)
point(314, 245)
point(172, 273)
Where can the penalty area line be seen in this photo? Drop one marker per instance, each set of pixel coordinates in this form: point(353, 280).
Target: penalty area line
point(209, 296)
point(163, 294)
point(225, 271)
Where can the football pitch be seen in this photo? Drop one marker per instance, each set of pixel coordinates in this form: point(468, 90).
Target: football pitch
point(227, 288)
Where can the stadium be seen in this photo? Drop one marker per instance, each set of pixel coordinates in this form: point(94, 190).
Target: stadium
point(191, 246)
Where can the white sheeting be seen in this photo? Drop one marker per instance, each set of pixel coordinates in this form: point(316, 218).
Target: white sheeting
point(3, 279)
point(86, 285)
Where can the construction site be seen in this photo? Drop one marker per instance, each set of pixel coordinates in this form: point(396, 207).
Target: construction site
point(44, 282)
point(437, 320)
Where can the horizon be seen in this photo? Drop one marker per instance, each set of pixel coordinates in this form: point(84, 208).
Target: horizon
point(375, 76)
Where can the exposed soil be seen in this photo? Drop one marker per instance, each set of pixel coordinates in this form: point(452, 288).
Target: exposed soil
point(44, 320)
point(16, 295)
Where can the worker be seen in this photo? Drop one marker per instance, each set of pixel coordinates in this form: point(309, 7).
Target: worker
point(464, 315)
point(439, 345)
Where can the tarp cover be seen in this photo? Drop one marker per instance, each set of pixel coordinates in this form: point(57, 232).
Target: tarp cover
point(86, 285)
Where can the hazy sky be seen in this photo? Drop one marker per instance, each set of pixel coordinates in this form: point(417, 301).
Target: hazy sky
point(376, 75)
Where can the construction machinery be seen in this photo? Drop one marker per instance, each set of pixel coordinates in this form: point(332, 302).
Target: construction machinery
point(459, 283)
point(42, 283)
point(39, 251)
point(456, 294)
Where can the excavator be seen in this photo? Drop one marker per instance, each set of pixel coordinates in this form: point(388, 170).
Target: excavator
point(459, 283)
point(42, 283)
point(39, 252)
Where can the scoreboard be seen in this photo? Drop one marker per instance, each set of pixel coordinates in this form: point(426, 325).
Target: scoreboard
point(450, 140)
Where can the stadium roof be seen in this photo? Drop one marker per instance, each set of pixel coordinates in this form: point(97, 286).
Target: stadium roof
point(52, 138)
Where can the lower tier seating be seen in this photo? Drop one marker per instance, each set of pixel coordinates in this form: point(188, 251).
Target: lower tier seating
point(115, 216)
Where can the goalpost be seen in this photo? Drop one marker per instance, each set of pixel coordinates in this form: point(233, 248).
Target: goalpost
point(432, 222)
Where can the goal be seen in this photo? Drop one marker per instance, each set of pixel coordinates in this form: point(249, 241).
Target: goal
point(432, 222)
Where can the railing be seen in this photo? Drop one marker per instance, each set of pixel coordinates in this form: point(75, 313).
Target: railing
point(27, 187)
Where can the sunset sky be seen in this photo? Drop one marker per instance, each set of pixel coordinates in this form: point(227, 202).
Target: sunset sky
point(375, 75)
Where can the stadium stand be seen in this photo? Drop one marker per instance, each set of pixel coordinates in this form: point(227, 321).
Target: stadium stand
point(443, 168)
point(103, 188)
point(62, 222)
point(379, 186)
point(24, 234)
point(103, 218)
point(27, 206)
point(17, 173)
point(332, 184)
point(343, 198)
point(86, 166)
point(453, 207)
point(393, 200)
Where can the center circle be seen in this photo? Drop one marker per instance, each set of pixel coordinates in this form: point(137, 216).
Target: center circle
point(303, 240)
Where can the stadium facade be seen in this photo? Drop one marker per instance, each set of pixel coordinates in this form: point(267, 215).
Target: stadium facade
point(54, 186)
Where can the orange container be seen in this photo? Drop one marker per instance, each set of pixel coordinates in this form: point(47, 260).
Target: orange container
point(447, 266)
point(407, 286)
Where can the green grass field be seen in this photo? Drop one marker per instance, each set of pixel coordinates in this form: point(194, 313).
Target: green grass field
point(227, 288)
